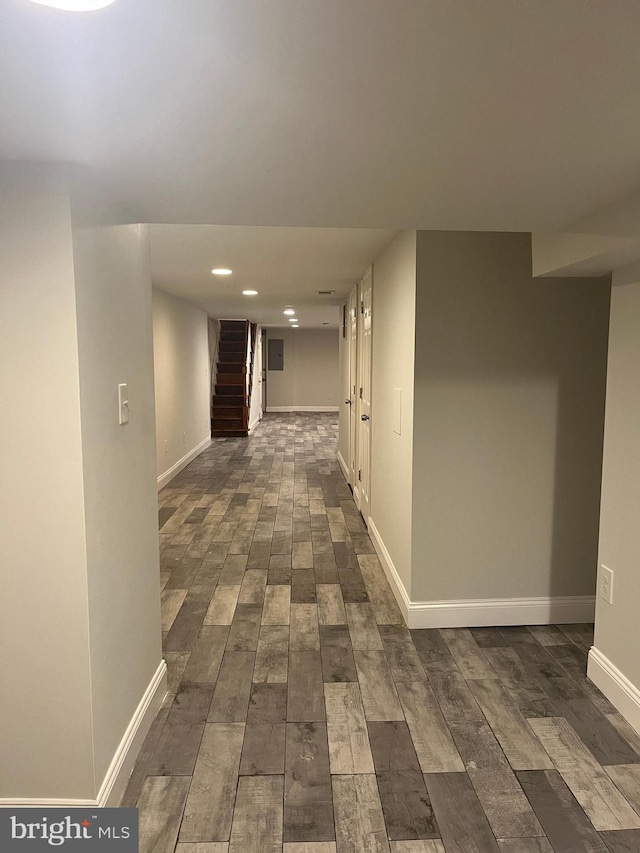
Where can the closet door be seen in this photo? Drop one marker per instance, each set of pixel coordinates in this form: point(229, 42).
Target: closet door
point(365, 329)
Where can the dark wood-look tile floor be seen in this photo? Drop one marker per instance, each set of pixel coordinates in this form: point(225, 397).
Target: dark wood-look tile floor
point(303, 716)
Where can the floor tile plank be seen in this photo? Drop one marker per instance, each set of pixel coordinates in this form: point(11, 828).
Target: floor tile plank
point(521, 746)
point(405, 802)
point(379, 694)
point(308, 807)
point(161, 806)
point(606, 807)
point(257, 819)
point(349, 750)
point(330, 605)
point(463, 825)
point(305, 634)
point(277, 603)
point(565, 824)
point(338, 664)
point(434, 745)
point(272, 655)
point(360, 826)
point(209, 808)
point(305, 695)
point(231, 693)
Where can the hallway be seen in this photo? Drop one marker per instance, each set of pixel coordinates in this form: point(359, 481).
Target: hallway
point(301, 712)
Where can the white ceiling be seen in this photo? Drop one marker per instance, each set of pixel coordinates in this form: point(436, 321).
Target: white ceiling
point(453, 114)
point(285, 265)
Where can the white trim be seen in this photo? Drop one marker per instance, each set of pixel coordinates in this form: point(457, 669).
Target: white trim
point(117, 775)
point(343, 466)
point(172, 472)
point(621, 692)
point(302, 409)
point(476, 612)
point(395, 582)
point(254, 423)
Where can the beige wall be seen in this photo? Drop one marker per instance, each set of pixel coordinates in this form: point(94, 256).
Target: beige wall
point(394, 305)
point(46, 736)
point(617, 625)
point(80, 616)
point(182, 378)
point(311, 376)
point(509, 400)
point(113, 303)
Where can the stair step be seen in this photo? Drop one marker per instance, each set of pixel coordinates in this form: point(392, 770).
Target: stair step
point(229, 400)
point(232, 367)
point(232, 346)
point(227, 423)
point(232, 335)
point(230, 379)
point(233, 390)
point(230, 433)
point(227, 412)
point(231, 358)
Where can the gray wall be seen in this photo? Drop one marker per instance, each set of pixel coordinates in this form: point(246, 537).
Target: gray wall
point(509, 403)
point(617, 624)
point(80, 615)
point(46, 733)
point(311, 375)
point(113, 306)
point(182, 378)
point(394, 306)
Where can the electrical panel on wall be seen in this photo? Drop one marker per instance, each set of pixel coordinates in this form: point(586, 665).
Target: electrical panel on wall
point(276, 354)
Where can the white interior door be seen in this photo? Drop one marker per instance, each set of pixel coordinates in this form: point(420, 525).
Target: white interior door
point(352, 307)
point(365, 323)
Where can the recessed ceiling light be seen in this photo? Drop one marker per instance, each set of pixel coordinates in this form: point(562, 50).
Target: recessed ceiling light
point(249, 292)
point(296, 326)
point(221, 271)
point(289, 311)
point(293, 320)
point(76, 5)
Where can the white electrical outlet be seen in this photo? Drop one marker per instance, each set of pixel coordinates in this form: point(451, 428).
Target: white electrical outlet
point(606, 584)
point(166, 446)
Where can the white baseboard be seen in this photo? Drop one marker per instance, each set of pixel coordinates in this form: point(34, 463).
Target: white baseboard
point(343, 466)
point(622, 694)
point(478, 612)
point(302, 409)
point(395, 582)
point(115, 781)
point(117, 776)
point(165, 478)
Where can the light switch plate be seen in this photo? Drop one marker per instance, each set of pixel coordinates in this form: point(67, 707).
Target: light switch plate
point(123, 404)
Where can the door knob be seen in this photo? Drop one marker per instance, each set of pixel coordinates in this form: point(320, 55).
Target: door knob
point(348, 402)
point(364, 417)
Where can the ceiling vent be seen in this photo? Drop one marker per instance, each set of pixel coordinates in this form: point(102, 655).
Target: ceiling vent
point(325, 292)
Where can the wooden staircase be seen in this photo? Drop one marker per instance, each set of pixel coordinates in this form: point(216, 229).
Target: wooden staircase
point(232, 399)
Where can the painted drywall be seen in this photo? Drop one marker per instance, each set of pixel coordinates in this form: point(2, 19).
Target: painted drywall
point(394, 307)
point(311, 375)
point(45, 714)
point(113, 303)
point(182, 379)
point(508, 422)
point(617, 629)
